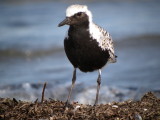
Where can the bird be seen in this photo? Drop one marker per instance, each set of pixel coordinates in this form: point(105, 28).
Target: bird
point(88, 46)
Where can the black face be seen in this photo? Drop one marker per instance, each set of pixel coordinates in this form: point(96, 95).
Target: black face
point(79, 18)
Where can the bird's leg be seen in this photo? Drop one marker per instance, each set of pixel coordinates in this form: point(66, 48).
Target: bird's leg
point(73, 82)
point(98, 86)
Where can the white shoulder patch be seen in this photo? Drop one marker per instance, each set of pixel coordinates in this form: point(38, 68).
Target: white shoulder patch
point(103, 38)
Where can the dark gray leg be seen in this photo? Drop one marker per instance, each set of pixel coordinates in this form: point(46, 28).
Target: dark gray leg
point(98, 86)
point(73, 82)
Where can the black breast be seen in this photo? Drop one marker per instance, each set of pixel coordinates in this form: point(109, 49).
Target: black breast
point(83, 51)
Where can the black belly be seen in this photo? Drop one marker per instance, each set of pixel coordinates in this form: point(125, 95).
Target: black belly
point(87, 56)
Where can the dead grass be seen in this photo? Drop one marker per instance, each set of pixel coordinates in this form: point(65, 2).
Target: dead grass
point(148, 108)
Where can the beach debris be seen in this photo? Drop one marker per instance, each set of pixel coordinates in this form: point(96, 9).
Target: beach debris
point(148, 108)
point(44, 86)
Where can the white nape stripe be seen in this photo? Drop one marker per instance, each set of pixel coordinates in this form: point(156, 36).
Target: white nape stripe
point(94, 31)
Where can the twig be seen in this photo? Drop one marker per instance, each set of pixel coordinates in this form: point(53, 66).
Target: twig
point(44, 86)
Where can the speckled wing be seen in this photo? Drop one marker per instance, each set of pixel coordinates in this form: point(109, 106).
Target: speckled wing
point(106, 42)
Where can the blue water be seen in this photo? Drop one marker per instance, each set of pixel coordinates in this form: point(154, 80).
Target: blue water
point(31, 48)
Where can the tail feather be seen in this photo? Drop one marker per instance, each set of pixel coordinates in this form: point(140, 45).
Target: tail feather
point(113, 59)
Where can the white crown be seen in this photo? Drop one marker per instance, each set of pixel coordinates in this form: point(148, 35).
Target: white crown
point(73, 9)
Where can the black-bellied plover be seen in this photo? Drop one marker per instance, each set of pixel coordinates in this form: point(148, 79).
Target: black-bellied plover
point(87, 46)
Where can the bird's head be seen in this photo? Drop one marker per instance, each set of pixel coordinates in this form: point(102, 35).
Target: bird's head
point(77, 15)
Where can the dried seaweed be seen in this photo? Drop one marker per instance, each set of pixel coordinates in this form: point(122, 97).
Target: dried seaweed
point(148, 108)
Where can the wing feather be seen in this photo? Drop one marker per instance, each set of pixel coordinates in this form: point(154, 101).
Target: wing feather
point(105, 42)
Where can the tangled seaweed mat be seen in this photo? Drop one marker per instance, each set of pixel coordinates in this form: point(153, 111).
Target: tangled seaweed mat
point(148, 108)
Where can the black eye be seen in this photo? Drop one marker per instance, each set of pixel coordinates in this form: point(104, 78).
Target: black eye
point(79, 14)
